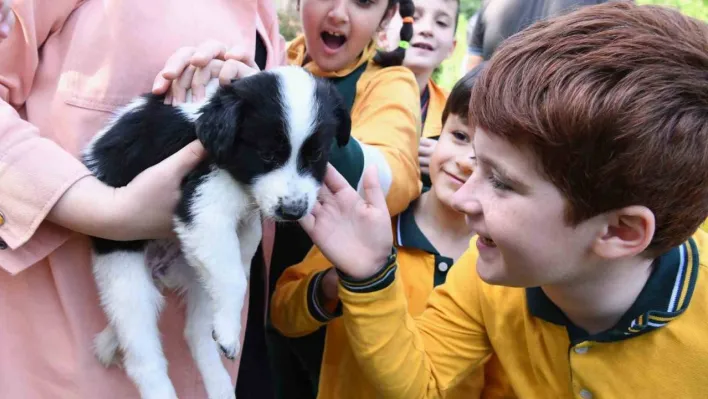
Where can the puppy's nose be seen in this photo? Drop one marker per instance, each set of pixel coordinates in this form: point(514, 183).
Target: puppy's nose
point(291, 210)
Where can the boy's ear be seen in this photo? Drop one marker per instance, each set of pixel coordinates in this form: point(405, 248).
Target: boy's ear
point(628, 232)
point(218, 124)
point(452, 49)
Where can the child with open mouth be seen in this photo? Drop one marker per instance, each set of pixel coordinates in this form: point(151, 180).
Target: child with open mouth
point(338, 44)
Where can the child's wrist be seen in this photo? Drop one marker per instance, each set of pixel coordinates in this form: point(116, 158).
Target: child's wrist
point(378, 277)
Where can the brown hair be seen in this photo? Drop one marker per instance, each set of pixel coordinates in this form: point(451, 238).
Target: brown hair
point(458, 102)
point(613, 101)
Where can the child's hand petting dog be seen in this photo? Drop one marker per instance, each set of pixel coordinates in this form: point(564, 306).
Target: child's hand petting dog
point(7, 19)
point(191, 68)
point(354, 233)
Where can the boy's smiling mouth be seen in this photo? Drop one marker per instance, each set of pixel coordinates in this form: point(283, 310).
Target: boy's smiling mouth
point(486, 241)
point(423, 46)
point(333, 40)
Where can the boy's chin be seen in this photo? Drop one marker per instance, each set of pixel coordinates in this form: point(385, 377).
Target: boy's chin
point(418, 64)
point(495, 273)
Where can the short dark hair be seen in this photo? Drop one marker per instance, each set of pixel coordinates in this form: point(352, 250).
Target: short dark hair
point(458, 102)
point(612, 100)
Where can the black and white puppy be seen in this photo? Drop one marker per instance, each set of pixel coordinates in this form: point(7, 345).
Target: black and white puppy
point(267, 138)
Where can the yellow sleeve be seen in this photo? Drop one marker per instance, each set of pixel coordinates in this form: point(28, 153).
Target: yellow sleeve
point(386, 117)
point(295, 307)
point(422, 358)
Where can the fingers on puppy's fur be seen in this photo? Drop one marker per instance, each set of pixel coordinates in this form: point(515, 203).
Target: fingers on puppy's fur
point(208, 51)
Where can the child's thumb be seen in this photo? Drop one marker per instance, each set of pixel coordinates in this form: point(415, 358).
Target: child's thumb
point(186, 159)
point(372, 188)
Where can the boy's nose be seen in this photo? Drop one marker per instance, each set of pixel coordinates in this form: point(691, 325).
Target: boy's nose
point(465, 198)
point(466, 163)
point(424, 27)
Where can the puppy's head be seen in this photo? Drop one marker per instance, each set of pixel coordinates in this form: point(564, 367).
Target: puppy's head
point(273, 131)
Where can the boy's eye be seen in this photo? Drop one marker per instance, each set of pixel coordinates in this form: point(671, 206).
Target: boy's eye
point(498, 184)
point(443, 24)
point(461, 136)
point(365, 3)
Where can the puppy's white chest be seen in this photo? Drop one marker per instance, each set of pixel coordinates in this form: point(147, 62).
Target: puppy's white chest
point(221, 198)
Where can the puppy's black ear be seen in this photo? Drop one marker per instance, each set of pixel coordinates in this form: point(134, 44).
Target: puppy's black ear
point(217, 126)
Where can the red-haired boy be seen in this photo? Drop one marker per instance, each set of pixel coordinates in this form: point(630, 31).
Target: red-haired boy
point(589, 275)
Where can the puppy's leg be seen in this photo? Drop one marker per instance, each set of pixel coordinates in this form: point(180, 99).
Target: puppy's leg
point(197, 333)
point(250, 232)
point(132, 303)
point(208, 231)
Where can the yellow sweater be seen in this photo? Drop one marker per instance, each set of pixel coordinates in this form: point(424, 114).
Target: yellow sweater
point(657, 350)
point(433, 120)
point(296, 310)
point(385, 116)
point(436, 105)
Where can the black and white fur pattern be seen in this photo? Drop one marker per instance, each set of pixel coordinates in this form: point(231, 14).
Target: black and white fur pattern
point(267, 138)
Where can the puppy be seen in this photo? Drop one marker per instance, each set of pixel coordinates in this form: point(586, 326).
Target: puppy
point(268, 139)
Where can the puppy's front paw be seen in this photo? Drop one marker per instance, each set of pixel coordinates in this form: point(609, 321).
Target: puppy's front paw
point(229, 347)
point(105, 347)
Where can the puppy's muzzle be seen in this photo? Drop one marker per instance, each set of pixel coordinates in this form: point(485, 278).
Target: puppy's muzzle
point(291, 209)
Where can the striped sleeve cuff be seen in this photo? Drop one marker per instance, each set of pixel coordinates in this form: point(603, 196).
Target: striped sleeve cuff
point(314, 305)
point(382, 279)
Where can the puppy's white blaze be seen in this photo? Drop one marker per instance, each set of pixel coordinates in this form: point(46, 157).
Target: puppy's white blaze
point(300, 111)
point(297, 93)
point(87, 153)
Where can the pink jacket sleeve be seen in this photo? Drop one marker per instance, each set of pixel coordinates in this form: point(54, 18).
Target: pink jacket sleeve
point(34, 171)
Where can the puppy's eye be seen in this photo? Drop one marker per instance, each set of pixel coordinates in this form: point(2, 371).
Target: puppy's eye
point(316, 156)
point(267, 156)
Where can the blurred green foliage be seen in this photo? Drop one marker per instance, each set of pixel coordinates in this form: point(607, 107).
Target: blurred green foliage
point(452, 69)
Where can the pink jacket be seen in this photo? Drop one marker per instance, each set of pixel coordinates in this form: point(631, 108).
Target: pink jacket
point(65, 66)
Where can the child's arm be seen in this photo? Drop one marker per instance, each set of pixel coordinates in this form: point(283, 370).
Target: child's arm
point(405, 359)
point(298, 306)
point(386, 117)
point(421, 358)
point(34, 171)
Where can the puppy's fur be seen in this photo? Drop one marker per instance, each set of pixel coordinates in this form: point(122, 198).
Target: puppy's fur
point(267, 138)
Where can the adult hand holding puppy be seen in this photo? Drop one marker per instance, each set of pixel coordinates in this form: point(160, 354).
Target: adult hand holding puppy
point(7, 19)
point(354, 233)
point(141, 210)
point(191, 68)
